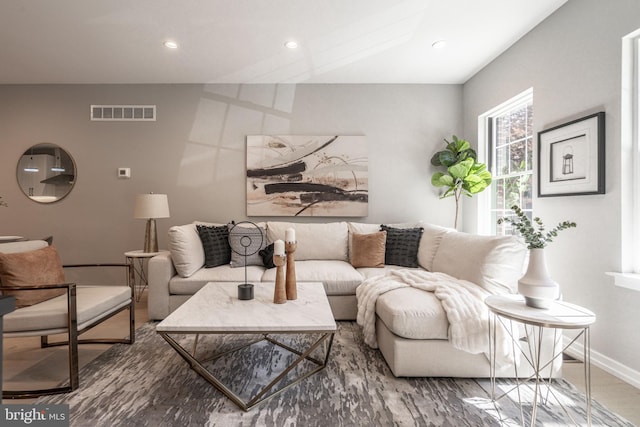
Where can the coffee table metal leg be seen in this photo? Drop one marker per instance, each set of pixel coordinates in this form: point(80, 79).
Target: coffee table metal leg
point(262, 395)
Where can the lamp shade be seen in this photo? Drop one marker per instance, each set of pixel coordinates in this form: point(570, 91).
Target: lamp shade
point(151, 206)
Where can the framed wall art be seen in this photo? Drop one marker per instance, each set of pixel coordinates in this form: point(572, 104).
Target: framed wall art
point(571, 158)
point(298, 175)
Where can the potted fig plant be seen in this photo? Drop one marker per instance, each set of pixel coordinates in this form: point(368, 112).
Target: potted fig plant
point(537, 286)
point(462, 174)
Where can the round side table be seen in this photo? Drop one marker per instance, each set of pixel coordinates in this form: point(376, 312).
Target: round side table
point(137, 274)
point(561, 315)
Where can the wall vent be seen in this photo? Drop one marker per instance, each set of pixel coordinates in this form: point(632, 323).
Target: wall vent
point(123, 113)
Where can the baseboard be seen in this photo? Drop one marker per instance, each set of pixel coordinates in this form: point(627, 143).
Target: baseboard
point(613, 367)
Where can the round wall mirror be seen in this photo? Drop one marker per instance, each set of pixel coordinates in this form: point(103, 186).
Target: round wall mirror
point(46, 173)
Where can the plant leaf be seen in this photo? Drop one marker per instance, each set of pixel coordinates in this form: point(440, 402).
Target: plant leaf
point(461, 170)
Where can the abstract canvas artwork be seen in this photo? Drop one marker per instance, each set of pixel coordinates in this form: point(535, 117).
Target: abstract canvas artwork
point(307, 176)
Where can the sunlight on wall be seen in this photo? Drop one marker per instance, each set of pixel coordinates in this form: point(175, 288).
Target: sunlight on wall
point(225, 115)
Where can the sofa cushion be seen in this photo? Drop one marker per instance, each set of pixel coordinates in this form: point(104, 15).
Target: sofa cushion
point(326, 241)
point(29, 269)
point(223, 273)
point(412, 313)
point(368, 272)
point(186, 249)
point(215, 241)
point(402, 246)
point(338, 277)
point(249, 240)
point(429, 243)
point(492, 262)
point(368, 249)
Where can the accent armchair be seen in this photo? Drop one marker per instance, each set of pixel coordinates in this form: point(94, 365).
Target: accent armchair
point(47, 308)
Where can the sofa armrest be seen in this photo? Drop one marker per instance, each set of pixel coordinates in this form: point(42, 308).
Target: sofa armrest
point(161, 270)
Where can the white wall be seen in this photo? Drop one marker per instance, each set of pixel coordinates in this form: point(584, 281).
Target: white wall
point(573, 62)
point(195, 152)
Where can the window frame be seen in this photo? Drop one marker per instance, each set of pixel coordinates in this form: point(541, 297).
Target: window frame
point(485, 150)
point(629, 276)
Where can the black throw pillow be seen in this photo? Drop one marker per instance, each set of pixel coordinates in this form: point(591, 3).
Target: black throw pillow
point(267, 256)
point(402, 246)
point(215, 241)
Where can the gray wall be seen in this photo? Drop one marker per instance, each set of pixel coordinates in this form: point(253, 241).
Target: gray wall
point(573, 62)
point(195, 152)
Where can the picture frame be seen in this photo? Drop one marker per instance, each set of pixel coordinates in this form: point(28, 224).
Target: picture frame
point(571, 158)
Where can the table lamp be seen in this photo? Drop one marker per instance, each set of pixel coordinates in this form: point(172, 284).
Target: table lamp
point(151, 206)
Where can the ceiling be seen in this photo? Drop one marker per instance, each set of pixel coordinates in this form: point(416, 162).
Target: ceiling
point(242, 41)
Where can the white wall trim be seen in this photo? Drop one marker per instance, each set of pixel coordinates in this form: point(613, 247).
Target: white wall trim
point(613, 367)
point(626, 280)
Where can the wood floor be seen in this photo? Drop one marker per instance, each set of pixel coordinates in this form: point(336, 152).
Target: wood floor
point(25, 364)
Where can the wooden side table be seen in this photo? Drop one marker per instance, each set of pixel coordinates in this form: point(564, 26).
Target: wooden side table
point(137, 273)
point(507, 309)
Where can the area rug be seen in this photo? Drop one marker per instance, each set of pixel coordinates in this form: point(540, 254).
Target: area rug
point(149, 384)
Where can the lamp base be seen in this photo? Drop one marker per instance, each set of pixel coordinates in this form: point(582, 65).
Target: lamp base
point(245, 291)
point(151, 237)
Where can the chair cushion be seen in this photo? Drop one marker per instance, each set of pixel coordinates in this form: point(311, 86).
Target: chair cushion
point(412, 313)
point(27, 269)
point(367, 250)
point(27, 245)
point(92, 302)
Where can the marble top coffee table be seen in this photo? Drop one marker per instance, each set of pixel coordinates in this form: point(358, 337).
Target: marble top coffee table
point(216, 309)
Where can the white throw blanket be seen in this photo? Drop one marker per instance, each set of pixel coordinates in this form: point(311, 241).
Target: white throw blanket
point(463, 302)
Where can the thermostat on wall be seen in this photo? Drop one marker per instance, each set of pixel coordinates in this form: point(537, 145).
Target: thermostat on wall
point(124, 172)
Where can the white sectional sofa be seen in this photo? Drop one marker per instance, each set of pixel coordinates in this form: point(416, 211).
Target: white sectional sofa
point(412, 327)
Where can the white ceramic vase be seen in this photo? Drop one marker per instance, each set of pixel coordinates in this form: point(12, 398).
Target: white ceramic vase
point(537, 287)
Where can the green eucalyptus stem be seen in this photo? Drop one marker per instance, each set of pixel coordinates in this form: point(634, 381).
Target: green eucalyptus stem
point(534, 236)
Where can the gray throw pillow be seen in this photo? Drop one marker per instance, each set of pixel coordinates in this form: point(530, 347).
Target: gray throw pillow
point(246, 239)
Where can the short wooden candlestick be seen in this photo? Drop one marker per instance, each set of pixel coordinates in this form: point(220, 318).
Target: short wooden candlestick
point(279, 292)
point(292, 287)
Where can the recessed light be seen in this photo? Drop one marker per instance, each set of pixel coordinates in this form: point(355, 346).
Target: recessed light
point(439, 44)
point(170, 44)
point(291, 44)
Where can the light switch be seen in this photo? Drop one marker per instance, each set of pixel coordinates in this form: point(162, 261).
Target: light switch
point(124, 173)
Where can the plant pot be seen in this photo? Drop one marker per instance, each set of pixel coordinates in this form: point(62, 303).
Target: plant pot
point(537, 287)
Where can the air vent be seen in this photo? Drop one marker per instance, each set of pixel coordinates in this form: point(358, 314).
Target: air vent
point(123, 113)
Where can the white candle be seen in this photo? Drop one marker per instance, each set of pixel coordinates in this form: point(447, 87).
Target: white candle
point(290, 235)
point(278, 247)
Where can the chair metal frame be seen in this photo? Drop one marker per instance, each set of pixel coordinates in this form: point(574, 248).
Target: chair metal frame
point(73, 333)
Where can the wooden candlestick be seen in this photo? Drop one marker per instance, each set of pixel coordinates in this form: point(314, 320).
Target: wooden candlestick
point(292, 288)
point(279, 292)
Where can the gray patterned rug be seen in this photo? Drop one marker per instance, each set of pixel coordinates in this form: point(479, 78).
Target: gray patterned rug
point(149, 384)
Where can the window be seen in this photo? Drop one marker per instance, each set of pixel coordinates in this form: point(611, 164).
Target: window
point(630, 156)
point(508, 131)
